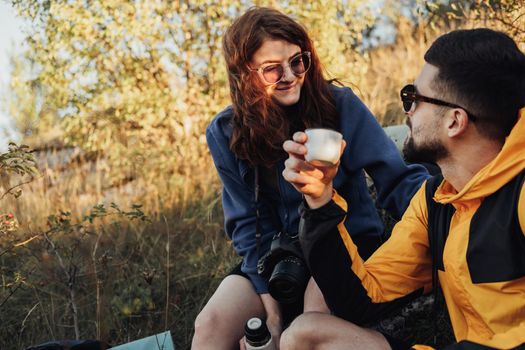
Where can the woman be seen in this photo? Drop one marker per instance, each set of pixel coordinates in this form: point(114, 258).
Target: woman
point(277, 87)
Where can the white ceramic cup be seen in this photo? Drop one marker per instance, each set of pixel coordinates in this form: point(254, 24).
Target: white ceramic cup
point(323, 146)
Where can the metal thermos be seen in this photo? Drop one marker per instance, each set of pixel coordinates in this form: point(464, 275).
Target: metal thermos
point(257, 335)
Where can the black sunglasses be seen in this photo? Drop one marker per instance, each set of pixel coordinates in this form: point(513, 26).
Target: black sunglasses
point(409, 97)
point(274, 73)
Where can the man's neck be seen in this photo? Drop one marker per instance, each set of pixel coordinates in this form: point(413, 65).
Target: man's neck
point(468, 159)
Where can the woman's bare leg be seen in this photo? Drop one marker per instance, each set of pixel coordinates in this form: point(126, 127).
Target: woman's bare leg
point(220, 324)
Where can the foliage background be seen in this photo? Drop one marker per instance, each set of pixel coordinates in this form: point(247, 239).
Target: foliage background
point(113, 96)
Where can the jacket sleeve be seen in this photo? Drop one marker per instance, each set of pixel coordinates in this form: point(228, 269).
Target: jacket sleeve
point(521, 208)
point(360, 291)
point(369, 148)
point(238, 202)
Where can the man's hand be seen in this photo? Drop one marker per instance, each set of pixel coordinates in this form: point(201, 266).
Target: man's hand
point(314, 182)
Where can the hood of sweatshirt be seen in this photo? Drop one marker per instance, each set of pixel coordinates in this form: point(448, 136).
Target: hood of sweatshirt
point(509, 162)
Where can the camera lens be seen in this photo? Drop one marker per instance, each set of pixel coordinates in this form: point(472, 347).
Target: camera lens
point(288, 280)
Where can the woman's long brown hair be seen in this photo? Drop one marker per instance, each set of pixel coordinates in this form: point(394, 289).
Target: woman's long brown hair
point(260, 125)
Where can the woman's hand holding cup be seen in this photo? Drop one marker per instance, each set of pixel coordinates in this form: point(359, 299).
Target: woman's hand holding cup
point(312, 163)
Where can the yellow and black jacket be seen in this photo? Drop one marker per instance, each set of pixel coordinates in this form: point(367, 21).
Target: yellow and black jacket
point(481, 268)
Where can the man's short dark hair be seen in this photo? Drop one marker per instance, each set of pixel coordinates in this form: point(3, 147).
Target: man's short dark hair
point(484, 71)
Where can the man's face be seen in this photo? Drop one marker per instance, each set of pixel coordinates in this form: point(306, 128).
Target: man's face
point(424, 143)
point(278, 52)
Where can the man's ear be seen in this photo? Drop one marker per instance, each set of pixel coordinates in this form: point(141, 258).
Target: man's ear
point(456, 122)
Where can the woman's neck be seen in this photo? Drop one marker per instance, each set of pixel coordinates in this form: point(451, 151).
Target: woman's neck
point(291, 110)
point(294, 118)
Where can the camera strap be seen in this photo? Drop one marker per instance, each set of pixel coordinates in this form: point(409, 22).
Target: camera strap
point(260, 177)
point(257, 214)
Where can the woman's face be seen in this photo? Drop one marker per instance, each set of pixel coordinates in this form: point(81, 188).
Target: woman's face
point(287, 91)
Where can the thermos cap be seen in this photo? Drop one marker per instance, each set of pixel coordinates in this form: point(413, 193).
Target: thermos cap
point(256, 331)
point(254, 323)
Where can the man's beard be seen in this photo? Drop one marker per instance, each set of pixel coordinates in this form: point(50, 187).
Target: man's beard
point(430, 152)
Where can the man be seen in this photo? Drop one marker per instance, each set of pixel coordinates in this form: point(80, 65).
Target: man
point(466, 113)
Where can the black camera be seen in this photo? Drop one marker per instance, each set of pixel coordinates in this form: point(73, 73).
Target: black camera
point(286, 269)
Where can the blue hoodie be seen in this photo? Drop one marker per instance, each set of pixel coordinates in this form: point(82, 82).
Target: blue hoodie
point(368, 149)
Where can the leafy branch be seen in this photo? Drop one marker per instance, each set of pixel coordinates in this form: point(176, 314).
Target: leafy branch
point(18, 160)
point(62, 223)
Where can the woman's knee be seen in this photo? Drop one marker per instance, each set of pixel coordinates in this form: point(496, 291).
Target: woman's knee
point(214, 331)
point(223, 317)
point(206, 323)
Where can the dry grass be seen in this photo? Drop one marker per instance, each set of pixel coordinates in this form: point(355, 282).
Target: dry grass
point(116, 279)
point(391, 68)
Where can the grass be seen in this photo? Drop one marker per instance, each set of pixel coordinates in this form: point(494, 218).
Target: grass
point(114, 279)
point(126, 282)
